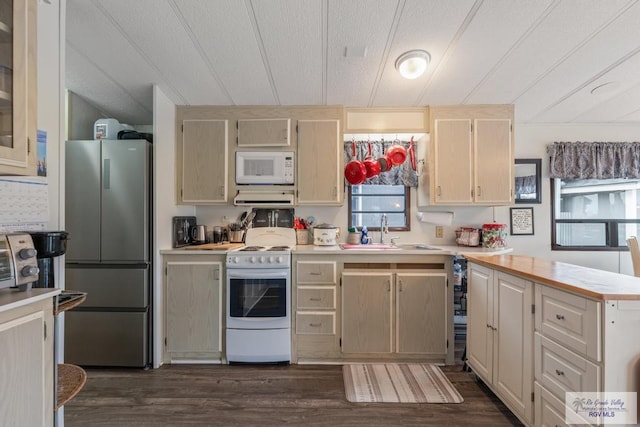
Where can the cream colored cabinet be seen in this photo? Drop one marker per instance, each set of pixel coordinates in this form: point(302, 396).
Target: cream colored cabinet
point(258, 133)
point(382, 120)
point(203, 161)
point(366, 312)
point(193, 290)
point(27, 365)
point(320, 179)
point(315, 297)
point(472, 155)
point(18, 58)
point(500, 335)
point(394, 312)
point(421, 313)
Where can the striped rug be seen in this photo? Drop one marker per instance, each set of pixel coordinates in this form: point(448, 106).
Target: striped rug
point(403, 383)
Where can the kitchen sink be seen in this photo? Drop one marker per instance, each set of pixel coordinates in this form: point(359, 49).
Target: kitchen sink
point(348, 246)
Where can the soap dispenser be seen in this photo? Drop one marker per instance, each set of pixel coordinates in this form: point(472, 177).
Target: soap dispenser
point(364, 237)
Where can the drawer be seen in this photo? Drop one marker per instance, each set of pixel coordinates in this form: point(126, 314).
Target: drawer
point(549, 410)
point(569, 319)
point(560, 370)
point(314, 272)
point(315, 297)
point(318, 323)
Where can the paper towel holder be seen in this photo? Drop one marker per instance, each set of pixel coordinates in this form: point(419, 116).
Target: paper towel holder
point(435, 217)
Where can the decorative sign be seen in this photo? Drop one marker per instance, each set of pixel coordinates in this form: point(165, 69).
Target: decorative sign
point(521, 221)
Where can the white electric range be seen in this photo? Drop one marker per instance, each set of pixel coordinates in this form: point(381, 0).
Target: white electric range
point(259, 297)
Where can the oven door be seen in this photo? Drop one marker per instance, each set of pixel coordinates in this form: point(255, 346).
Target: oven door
point(7, 278)
point(258, 299)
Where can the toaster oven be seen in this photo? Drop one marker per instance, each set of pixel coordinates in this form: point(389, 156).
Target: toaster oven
point(18, 262)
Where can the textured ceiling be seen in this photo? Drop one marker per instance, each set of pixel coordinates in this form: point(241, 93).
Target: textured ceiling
point(544, 56)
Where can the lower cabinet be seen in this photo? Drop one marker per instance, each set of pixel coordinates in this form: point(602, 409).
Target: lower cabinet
point(500, 335)
point(27, 365)
point(194, 297)
point(394, 312)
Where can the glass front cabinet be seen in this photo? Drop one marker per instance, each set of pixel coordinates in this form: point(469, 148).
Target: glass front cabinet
point(18, 55)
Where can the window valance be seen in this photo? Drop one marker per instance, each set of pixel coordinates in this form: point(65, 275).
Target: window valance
point(594, 160)
point(398, 175)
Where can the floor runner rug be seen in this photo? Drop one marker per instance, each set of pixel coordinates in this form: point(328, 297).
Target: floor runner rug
point(400, 383)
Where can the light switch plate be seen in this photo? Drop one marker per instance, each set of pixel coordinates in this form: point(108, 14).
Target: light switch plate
point(439, 232)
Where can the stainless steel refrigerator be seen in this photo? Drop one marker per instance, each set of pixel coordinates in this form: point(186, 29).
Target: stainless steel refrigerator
point(108, 217)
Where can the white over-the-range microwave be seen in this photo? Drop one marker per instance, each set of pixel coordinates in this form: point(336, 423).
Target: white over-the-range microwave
point(265, 167)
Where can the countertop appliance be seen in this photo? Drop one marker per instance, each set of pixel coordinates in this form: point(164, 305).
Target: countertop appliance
point(259, 297)
point(182, 226)
point(265, 167)
point(265, 217)
point(108, 208)
point(325, 235)
point(18, 263)
point(49, 245)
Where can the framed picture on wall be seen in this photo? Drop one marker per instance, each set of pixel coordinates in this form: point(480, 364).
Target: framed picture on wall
point(521, 221)
point(528, 181)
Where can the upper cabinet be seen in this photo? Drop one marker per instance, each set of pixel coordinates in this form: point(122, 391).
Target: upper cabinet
point(386, 120)
point(18, 50)
point(471, 155)
point(202, 153)
point(263, 132)
point(319, 163)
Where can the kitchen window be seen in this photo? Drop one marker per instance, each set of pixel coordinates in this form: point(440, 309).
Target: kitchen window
point(367, 203)
point(594, 214)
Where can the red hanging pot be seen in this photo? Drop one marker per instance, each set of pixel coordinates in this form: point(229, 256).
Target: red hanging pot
point(355, 172)
point(371, 164)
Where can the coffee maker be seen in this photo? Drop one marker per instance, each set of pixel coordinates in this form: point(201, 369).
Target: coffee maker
point(182, 226)
point(49, 245)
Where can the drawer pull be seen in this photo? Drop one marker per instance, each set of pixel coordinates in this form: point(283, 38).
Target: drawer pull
point(559, 373)
point(315, 273)
point(559, 317)
point(315, 325)
point(315, 299)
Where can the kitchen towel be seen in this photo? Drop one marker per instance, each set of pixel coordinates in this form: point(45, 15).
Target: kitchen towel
point(400, 383)
point(437, 218)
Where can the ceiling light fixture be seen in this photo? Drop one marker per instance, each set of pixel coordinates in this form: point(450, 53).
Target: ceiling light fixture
point(413, 64)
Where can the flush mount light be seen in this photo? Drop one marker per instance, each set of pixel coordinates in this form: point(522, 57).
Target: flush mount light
point(413, 64)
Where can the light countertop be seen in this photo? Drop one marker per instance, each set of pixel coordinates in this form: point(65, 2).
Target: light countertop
point(11, 298)
point(598, 284)
point(409, 249)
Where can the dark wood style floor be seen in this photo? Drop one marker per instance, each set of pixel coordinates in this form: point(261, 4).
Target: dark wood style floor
point(255, 395)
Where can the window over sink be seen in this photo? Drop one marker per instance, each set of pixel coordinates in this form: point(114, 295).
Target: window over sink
point(367, 204)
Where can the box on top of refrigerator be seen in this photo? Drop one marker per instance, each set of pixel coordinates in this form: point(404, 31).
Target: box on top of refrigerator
point(108, 128)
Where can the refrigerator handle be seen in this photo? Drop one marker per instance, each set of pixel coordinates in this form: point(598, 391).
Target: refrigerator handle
point(107, 174)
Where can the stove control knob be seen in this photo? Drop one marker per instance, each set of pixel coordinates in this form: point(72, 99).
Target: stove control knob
point(29, 270)
point(261, 260)
point(252, 259)
point(233, 259)
point(272, 259)
point(27, 253)
point(280, 259)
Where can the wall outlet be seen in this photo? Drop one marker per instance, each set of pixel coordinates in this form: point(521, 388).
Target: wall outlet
point(439, 232)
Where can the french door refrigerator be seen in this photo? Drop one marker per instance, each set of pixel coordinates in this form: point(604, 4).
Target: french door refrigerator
point(108, 217)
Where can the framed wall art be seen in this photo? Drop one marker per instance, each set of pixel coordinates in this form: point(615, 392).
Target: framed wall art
point(528, 181)
point(521, 221)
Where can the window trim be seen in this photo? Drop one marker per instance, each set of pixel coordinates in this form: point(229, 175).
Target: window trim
point(611, 226)
point(407, 211)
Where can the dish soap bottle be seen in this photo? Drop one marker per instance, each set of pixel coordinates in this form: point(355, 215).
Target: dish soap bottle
point(364, 237)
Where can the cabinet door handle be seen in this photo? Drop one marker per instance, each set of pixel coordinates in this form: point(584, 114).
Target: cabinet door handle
point(314, 273)
point(559, 317)
point(489, 326)
point(559, 373)
point(439, 191)
point(400, 287)
point(222, 190)
point(389, 286)
point(315, 299)
point(315, 325)
point(479, 191)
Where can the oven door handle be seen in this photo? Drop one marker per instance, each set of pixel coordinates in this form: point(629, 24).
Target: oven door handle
point(253, 274)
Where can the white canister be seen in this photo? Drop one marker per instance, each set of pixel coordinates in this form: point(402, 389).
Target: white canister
point(325, 235)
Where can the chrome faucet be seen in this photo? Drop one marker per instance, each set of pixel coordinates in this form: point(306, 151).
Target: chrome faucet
point(384, 227)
